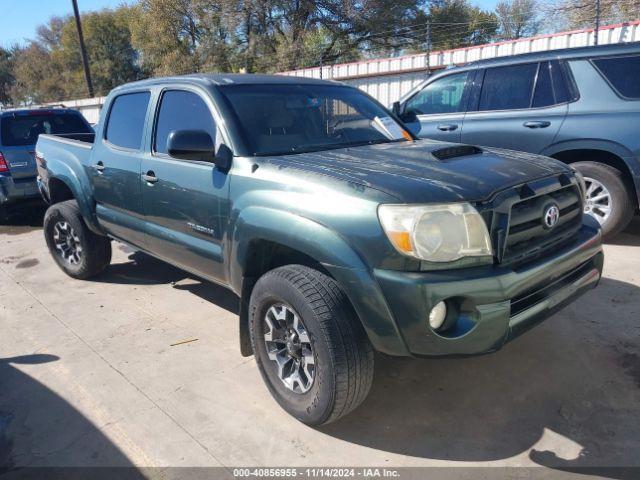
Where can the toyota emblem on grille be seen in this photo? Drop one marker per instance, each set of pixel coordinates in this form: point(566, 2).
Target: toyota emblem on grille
point(551, 215)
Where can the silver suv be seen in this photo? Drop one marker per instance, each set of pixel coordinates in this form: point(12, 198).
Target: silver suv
point(580, 105)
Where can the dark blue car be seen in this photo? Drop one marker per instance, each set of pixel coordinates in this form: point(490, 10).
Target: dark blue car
point(19, 130)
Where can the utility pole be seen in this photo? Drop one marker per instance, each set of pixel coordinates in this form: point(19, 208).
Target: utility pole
point(597, 29)
point(428, 48)
point(83, 50)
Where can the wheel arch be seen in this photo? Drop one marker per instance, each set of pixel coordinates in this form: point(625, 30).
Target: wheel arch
point(62, 187)
point(604, 156)
point(265, 238)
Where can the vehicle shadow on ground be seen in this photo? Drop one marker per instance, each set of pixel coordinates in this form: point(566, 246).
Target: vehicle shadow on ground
point(554, 391)
point(143, 269)
point(140, 269)
point(23, 218)
point(630, 236)
point(39, 428)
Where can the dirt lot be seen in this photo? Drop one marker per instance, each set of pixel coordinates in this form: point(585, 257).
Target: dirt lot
point(89, 376)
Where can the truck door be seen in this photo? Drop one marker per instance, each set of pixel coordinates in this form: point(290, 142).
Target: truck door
point(115, 168)
point(185, 201)
point(519, 107)
point(437, 111)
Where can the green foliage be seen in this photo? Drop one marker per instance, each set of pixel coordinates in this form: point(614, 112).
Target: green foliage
point(49, 68)
point(582, 13)
point(38, 78)
point(456, 24)
point(518, 18)
point(6, 75)
point(166, 37)
point(112, 58)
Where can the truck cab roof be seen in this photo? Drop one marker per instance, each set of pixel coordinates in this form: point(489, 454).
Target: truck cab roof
point(218, 79)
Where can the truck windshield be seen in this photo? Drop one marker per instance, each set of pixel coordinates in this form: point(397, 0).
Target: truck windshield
point(23, 128)
point(297, 118)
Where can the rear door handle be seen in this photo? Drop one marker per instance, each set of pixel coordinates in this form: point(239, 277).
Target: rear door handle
point(450, 127)
point(150, 177)
point(99, 166)
point(537, 124)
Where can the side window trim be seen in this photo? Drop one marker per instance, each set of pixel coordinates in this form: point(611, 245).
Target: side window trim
point(156, 116)
point(104, 138)
point(567, 78)
point(573, 93)
point(615, 90)
point(535, 87)
point(463, 100)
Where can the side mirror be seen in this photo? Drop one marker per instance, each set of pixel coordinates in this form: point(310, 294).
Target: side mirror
point(191, 145)
point(223, 157)
point(409, 116)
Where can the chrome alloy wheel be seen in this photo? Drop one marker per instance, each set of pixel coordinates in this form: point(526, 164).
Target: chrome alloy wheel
point(67, 242)
point(288, 345)
point(597, 202)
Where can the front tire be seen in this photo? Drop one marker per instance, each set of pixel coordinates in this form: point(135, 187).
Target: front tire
point(608, 198)
point(78, 251)
point(310, 347)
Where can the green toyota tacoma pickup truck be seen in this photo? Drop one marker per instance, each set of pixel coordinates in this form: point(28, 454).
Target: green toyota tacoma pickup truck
point(339, 231)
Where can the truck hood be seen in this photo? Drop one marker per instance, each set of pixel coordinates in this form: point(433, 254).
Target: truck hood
point(410, 172)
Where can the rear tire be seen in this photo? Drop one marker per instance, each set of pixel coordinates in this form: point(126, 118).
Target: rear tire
point(78, 251)
point(608, 189)
point(340, 375)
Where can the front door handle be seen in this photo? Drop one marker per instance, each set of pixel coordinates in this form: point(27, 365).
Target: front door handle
point(150, 177)
point(449, 127)
point(99, 166)
point(537, 124)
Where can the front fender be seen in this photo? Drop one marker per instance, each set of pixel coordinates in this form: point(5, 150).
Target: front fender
point(329, 249)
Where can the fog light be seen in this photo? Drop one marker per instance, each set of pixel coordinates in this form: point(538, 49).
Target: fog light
point(437, 315)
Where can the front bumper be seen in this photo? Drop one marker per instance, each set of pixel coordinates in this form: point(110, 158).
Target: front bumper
point(491, 305)
point(16, 190)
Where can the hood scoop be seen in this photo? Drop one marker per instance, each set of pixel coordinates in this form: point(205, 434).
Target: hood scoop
point(448, 153)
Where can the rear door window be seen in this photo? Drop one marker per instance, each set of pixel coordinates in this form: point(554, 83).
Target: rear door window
point(23, 128)
point(444, 95)
point(181, 110)
point(623, 73)
point(126, 120)
point(508, 88)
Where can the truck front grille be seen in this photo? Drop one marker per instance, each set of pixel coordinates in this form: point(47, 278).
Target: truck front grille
point(528, 232)
point(517, 218)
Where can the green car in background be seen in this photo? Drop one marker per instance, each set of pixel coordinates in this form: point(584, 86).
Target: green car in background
point(339, 231)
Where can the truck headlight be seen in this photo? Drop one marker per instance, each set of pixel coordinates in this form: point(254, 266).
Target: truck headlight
point(436, 233)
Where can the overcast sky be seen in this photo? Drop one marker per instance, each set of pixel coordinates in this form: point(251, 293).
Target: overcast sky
point(19, 18)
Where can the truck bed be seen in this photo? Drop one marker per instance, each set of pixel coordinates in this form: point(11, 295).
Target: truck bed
point(71, 154)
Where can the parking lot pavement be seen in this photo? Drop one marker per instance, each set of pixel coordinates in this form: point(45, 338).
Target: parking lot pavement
point(90, 375)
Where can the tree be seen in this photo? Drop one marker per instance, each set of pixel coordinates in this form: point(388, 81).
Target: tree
point(582, 13)
point(112, 58)
point(455, 23)
point(6, 75)
point(517, 18)
point(38, 78)
point(179, 36)
point(166, 32)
